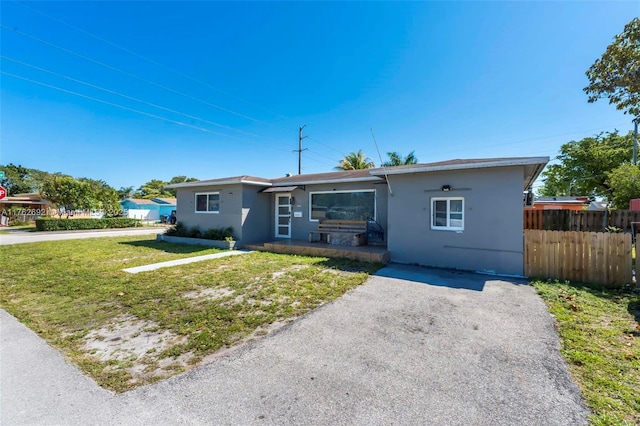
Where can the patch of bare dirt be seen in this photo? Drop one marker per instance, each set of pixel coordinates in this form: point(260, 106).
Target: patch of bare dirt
point(209, 293)
point(137, 343)
point(279, 274)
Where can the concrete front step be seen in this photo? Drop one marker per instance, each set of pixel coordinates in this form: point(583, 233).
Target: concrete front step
point(372, 254)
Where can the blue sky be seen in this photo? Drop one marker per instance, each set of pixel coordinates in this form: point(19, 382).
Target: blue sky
point(217, 89)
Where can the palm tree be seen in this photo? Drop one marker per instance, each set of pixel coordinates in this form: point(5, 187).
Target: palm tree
point(355, 161)
point(125, 192)
point(396, 159)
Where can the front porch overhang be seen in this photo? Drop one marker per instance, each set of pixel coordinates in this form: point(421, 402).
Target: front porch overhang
point(281, 189)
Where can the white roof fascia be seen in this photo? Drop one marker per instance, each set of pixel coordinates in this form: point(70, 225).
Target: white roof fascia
point(319, 182)
point(214, 183)
point(251, 182)
point(479, 165)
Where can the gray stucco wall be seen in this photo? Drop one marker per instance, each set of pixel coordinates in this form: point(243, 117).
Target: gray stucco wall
point(256, 215)
point(230, 208)
point(492, 239)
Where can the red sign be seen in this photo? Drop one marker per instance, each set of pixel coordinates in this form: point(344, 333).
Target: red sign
point(3, 193)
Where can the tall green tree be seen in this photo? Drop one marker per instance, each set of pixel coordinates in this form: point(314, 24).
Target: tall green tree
point(395, 159)
point(16, 179)
point(154, 189)
point(182, 179)
point(584, 166)
point(104, 197)
point(626, 183)
point(355, 161)
point(179, 179)
point(616, 75)
point(20, 180)
point(68, 193)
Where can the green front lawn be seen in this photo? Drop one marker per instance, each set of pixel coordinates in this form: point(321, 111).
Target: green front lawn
point(600, 339)
point(125, 330)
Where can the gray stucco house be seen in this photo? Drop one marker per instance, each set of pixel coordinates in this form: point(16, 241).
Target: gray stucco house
point(463, 214)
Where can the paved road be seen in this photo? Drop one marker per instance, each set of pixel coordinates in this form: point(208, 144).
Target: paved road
point(460, 350)
point(21, 237)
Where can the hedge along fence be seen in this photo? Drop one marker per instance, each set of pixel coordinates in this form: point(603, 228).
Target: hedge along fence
point(54, 224)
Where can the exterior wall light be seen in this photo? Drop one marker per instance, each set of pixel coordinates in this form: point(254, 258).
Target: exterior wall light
point(446, 188)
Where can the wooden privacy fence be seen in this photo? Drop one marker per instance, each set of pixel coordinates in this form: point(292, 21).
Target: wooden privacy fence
point(595, 257)
point(584, 221)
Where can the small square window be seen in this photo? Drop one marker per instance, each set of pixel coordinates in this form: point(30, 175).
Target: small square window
point(208, 203)
point(447, 213)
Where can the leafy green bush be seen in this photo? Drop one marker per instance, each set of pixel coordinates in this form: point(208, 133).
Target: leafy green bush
point(19, 222)
point(219, 234)
point(54, 224)
point(194, 232)
point(177, 230)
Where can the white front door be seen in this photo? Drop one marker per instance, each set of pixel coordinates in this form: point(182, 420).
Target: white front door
point(283, 215)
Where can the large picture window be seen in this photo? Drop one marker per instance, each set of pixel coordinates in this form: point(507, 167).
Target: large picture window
point(447, 213)
point(208, 203)
point(348, 205)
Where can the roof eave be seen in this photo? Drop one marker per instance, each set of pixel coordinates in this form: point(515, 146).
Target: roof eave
point(217, 182)
point(462, 166)
point(325, 181)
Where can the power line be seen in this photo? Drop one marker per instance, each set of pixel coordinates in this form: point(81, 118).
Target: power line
point(152, 61)
point(322, 155)
point(138, 55)
point(326, 146)
point(87, 58)
point(126, 96)
point(319, 161)
point(181, 123)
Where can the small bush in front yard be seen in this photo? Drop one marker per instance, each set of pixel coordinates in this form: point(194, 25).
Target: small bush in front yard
point(18, 222)
point(194, 232)
point(600, 339)
point(177, 230)
point(217, 234)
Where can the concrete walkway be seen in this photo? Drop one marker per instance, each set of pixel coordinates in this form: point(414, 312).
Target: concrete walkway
point(169, 263)
point(33, 237)
point(396, 350)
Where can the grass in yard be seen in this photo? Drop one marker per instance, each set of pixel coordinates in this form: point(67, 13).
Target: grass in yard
point(600, 336)
point(127, 330)
point(30, 228)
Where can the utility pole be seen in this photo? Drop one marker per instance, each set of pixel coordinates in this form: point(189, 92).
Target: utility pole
point(299, 150)
point(635, 140)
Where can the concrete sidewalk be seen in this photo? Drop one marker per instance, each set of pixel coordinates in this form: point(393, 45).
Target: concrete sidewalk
point(185, 261)
point(393, 351)
point(33, 237)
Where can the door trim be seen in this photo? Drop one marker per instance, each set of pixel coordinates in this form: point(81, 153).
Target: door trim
point(278, 215)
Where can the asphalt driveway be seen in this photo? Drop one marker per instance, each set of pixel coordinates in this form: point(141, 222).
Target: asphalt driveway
point(411, 346)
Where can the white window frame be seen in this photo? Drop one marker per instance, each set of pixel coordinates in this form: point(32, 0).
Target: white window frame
point(195, 207)
point(448, 227)
point(375, 200)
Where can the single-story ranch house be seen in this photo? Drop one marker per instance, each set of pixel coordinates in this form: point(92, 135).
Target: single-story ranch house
point(463, 214)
